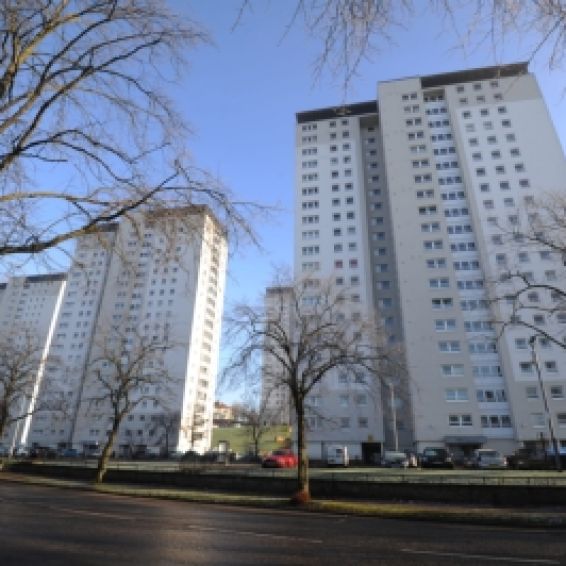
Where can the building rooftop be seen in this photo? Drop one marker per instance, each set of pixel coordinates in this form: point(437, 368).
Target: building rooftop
point(356, 109)
point(428, 81)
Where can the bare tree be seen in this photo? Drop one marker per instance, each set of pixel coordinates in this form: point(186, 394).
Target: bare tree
point(123, 373)
point(536, 301)
point(254, 413)
point(165, 425)
point(22, 365)
point(310, 329)
point(87, 131)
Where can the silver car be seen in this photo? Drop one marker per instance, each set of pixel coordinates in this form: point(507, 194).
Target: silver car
point(485, 458)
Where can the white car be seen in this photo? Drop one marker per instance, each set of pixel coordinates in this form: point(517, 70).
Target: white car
point(392, 459)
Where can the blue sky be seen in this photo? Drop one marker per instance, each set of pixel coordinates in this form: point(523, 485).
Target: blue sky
point(241, 95)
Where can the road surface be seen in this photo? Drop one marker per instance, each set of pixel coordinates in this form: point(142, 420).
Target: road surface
point(45, 526)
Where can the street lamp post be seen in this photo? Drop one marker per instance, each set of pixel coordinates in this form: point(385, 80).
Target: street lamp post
point(553, 441)
point(394, 416)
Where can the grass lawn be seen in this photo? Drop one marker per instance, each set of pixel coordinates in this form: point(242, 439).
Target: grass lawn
point(241, 442)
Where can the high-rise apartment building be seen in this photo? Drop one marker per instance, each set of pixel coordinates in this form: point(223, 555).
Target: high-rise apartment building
point(276, 400)
point(415, 201)
point(153, 278)
point(29, 306)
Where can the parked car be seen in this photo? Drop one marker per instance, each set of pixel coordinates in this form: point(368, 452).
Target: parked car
point(176, 455)
point(21, 451)
point(486, 458)
point(249, 459)
point(432, 457)
point(4, 451)
point(43, 452)
point(391, 459)
point(281, 458)
point(69, 453)
point(190, 456)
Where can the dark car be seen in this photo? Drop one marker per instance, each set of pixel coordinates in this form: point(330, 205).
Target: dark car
point(436, 458)
point(69, 453)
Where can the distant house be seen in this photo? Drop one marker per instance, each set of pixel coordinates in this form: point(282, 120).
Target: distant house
point(223, 414)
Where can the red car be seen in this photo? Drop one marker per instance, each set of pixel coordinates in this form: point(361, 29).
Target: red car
point(280, 459)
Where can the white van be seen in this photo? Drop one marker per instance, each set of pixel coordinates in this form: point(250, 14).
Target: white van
point(337, 455)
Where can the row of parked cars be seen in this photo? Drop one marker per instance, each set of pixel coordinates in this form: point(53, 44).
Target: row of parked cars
point(441, 458)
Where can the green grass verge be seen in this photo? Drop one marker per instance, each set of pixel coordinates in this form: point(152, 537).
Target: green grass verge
point(240, 440)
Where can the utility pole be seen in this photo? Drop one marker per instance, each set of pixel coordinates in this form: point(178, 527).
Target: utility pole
point(553, 441)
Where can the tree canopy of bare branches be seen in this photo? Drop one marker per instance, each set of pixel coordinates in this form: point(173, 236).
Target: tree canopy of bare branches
point(87, 131)
point(536, 302)
point(307, 330)
point(351, 31)
point(123, 373)
point(20, 362)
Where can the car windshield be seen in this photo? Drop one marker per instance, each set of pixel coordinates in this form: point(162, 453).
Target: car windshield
point(434, 452)
point(489, 453)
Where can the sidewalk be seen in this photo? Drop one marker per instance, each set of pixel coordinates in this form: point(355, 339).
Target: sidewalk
point(465, 514)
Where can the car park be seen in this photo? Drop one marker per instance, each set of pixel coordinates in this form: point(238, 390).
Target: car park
point(487, 458)
point(281, 458)
point(433, 457)
point(392, 459)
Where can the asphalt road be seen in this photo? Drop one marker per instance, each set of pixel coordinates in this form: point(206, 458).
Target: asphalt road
point(45, 526)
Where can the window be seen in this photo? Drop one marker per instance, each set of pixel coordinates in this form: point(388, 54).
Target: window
point(430, 227)
point(436, 263)
point(442, 303)
point(537, 420)
point(550, 367)
point(432, 244)
point(452, 370)
point(526, 367)
point(426, 210)
point(445, 325)
point(449, 346)
point(557, 391)
point(531, 392)
point(460, 420)
point(561, 418)
point(441, 283)
point(456, 394)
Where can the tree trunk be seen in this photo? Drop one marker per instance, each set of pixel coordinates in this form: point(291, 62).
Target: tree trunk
point(303, 493)
point(3, 417)
point(106, 452)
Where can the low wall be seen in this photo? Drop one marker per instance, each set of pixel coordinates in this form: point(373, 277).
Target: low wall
point(195, 478)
